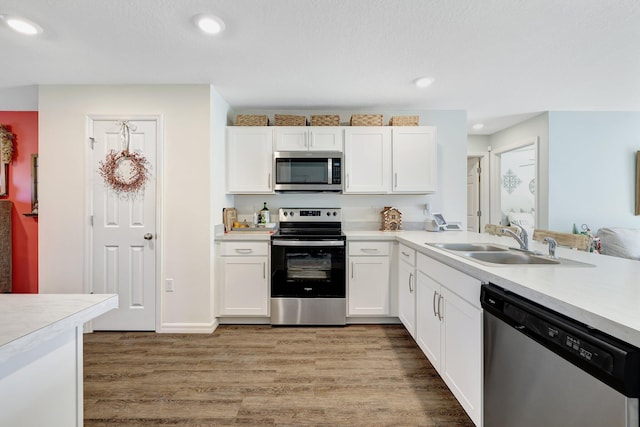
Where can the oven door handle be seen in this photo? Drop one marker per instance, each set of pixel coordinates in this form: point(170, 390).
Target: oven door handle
point(307, 243)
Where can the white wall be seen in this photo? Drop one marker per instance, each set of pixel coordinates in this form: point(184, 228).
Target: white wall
point(450, 199)
point(186, 180)
point(19, 98)
point(592, 169)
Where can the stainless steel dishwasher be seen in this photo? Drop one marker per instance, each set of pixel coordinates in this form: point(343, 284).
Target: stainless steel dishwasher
point(544, 369)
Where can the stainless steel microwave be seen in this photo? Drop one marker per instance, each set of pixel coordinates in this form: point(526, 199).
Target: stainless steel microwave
point(307, 171)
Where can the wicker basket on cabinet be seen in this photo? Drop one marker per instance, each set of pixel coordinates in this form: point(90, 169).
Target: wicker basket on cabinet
point(251, 120)
point(404, 121)
point(289, 120)
point(366, 120)
point(325, 120)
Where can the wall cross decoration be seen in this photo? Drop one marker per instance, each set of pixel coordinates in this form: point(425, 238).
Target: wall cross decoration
point(510, 181)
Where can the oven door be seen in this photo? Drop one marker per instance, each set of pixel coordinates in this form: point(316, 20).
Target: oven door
point(308, 269)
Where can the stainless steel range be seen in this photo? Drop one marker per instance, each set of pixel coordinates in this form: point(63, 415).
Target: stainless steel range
point(308, 268)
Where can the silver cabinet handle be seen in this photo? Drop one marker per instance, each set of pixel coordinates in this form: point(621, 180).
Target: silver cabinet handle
point(369, 250)
point(395, 178)
point(352, 269)
point(405, 254)
point(435, 313)
point(264, 270)
point(410, 280)
point(440, 316)
point(269, 181)
point(308, 140)
point(148, 236)
point(347, 180)
point(244, 251)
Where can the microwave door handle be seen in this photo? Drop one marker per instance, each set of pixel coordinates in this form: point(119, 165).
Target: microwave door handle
point(329, 171)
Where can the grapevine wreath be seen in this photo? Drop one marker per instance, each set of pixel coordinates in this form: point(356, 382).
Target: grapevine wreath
point(6, 142)
point(125, 172)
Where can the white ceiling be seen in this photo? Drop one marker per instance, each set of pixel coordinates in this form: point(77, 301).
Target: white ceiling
point(500, 60)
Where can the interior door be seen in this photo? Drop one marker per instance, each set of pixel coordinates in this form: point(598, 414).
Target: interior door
point(473, 194)
point(123, 249)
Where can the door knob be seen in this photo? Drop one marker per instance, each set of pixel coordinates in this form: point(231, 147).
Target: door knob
point(148, 236)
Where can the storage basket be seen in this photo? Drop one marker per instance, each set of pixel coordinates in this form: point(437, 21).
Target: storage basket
point(325, 120)
point(289, 120)
point(366, 120)
point(251, 120)
point(404, 121)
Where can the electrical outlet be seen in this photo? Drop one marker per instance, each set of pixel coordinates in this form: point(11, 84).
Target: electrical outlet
point(168, 285)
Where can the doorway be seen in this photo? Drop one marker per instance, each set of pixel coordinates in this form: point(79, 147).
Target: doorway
point(123, 228)
point(514, 173)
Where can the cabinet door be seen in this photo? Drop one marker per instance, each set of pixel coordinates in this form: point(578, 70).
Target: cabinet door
point(367, 159)
point(369, 285)
point(414, 159)
point(407, 297)
point(461, 365)
point(244, 287)
point(428, 302)
point(292, 138)
point(326, 138)
point(249, 159)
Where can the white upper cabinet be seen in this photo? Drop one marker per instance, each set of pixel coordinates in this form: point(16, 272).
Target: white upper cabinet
point(383, 160)
point(249, 159)
point(414, 159)
point(309, 138)
point(367, 159)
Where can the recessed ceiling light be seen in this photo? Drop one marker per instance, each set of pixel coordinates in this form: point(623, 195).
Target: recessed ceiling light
point(423, 82)
point(209, 24)
point(478, 126)
point(22, 25)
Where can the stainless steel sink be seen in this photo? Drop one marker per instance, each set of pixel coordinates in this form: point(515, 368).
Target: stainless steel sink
point(469, 247)
point(493, 255)
point(510, 257)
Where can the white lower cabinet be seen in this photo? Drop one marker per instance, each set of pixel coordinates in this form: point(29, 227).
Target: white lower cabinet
point(369, 284)
point(449, 330)
point(407, 288)
point(244, 279)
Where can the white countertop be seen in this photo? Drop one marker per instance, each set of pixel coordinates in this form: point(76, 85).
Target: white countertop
point(606, 296)
point(28, 319)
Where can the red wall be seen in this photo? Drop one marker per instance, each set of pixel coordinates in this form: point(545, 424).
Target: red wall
point(24, 230)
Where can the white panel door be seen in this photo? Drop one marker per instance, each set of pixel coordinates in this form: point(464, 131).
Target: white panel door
point(414, 159)
point(244, 286)
point(326, 138)
point(473, 194)
point(428, 323)
point(407, 297)
point(123, 259)
point(369, 291)
point(367, 159)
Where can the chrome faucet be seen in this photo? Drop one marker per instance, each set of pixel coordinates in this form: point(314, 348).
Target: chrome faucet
point(552, 246)
point(522, 239)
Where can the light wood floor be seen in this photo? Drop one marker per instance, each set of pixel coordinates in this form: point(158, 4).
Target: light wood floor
point(369, 375)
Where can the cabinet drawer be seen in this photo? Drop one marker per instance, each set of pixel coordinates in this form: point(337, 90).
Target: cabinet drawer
point(244, 248)
point(369, 248)
point(464, 286)
point(407, 254)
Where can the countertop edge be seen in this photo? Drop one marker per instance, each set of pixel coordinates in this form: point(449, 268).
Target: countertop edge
point(95, 305)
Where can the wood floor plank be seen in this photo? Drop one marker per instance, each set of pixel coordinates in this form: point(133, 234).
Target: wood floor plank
point(359, 375)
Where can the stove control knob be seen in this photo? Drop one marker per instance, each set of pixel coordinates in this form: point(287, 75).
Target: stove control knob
point(335, 213)
point(291, 213)
point(328, 213)
point(285, 213)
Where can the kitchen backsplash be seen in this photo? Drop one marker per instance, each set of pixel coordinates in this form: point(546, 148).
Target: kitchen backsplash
point(359, 212)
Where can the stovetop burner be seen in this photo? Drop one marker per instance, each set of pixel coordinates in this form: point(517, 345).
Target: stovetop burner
point(308, 223)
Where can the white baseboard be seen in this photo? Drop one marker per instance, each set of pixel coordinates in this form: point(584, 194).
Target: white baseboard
point(188, 328)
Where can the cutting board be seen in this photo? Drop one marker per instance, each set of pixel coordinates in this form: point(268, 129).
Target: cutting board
point(229, 216)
